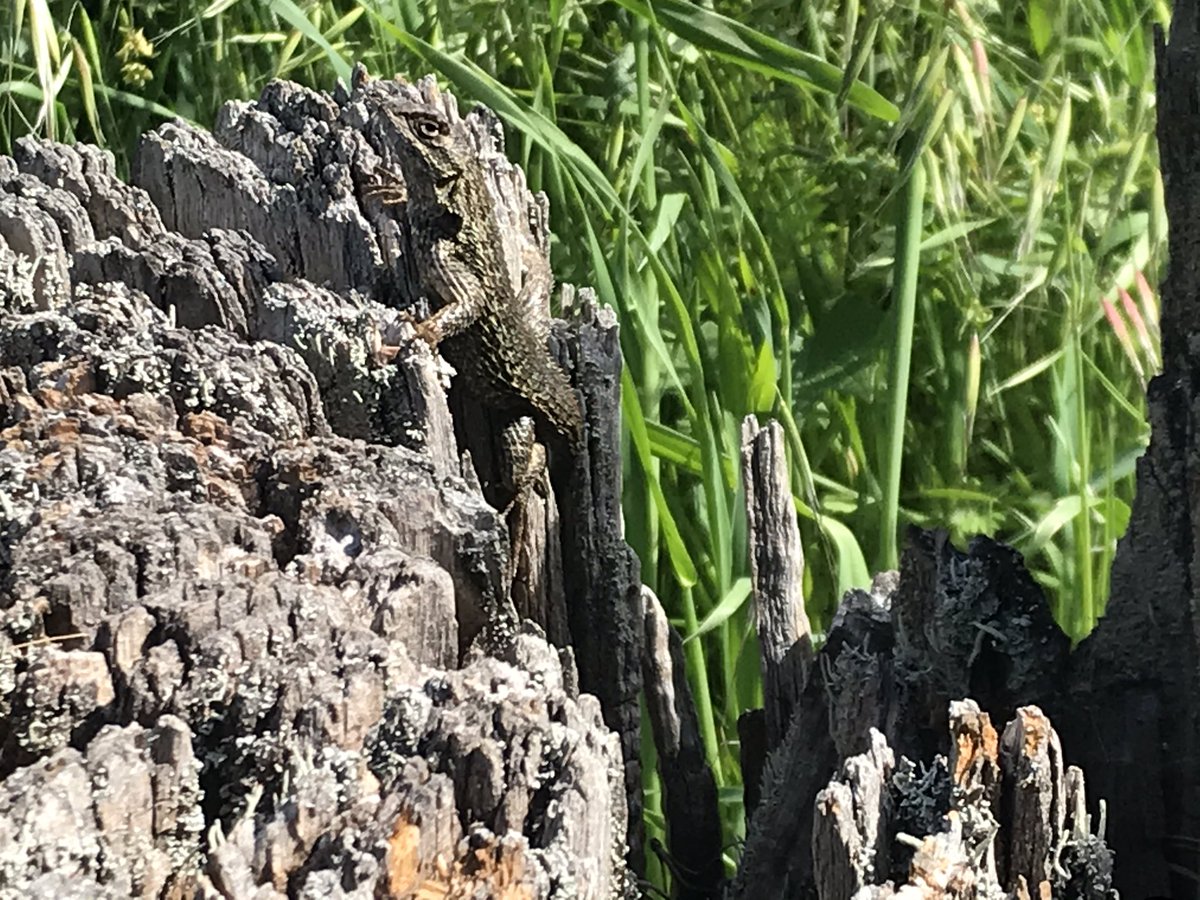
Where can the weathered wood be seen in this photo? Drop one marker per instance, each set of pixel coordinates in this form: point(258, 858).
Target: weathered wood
point(605, 578)
point(777, 572)
point(851, 839)
point(240, 554)
point(1034, 799)
point(951, 625)
point(777, 859)
point(120, 819)
point(752, 756)
point(688, 788)
point(999, 796)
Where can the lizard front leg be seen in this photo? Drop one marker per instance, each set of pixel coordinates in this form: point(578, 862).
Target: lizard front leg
point(452, 319)
point(463, 293)
point(448, 321)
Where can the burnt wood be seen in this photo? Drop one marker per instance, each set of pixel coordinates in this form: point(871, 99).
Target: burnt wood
point(244, 563)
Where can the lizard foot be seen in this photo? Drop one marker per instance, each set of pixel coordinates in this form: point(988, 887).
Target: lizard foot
point(425, 330)
point(385, 352)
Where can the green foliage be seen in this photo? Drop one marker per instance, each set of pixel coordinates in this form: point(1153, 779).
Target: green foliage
point(915, 232)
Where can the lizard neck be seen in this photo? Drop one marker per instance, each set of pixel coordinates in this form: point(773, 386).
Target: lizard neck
point(467, 194)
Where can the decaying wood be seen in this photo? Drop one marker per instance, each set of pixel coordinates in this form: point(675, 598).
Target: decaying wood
point(777, 571)
point(883, 706)
point(242, 565)
point(851, 843)
point(1007, 828)
point(688, 787)
point(605, 608)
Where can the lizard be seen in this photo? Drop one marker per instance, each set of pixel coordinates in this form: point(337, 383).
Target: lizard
point(492, 332)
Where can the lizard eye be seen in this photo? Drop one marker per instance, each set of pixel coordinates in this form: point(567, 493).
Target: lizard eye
point(429, 128)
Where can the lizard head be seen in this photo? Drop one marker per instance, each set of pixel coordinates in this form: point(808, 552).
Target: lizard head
point(432, 150)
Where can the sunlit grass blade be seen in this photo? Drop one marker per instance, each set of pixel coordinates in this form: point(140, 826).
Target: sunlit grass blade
point(1012, 132)
point(136, 101)
point(852, 569)
point(742, 44)
point(904, 294)
point(47, 56)
point(953, 233)
point(294, 16)
point(1043, 187)
point(671, 446)
point(681, 561)
point(87, 89)
point(913, 147)
point(733, 601)
point(862, 51)
point(931, 75)
point(971, 399)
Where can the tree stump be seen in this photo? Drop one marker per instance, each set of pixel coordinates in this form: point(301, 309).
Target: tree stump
point(244, 562)
point(887, 782)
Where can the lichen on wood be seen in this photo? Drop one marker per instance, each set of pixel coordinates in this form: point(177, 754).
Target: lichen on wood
point(243, 562)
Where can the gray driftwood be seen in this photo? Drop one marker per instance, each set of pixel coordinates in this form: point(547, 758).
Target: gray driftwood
point(242, 564)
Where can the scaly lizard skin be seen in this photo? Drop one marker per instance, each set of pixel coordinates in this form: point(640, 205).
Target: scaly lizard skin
point(494, 335)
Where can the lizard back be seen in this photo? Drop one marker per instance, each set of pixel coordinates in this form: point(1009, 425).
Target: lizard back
point(497, 339)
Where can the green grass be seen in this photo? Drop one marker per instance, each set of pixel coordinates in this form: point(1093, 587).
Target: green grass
point(923, 235)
